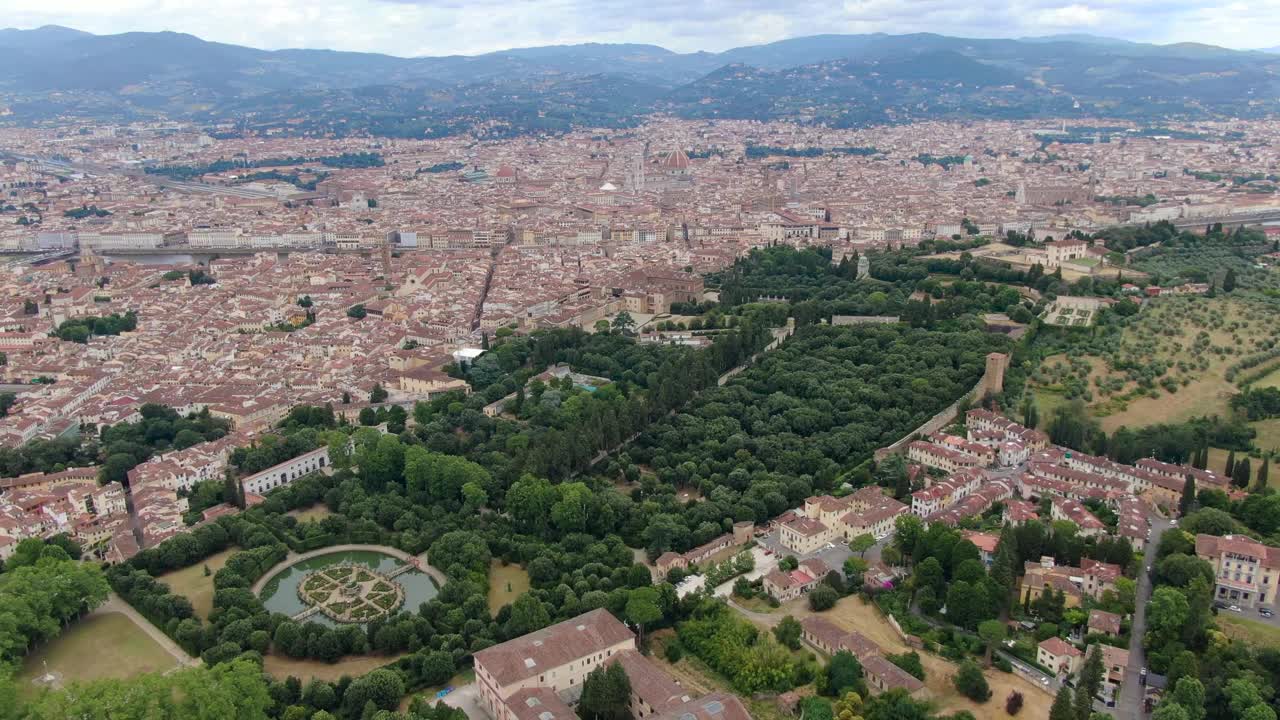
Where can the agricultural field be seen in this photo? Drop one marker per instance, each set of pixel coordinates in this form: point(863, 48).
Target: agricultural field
point(1173, 361)
point(104, 645)
point(1172, 265)
point(195, 585)
point(506, 583)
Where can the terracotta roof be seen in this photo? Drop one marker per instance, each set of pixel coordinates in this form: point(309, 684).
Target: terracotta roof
point(551, 647)
point(539, 704)
point(891, 676)
point(1058, 647)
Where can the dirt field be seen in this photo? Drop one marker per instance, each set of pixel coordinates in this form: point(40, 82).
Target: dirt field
point(102, 646)
point(506, 583)
point(355, 666)
point(192, 582)
point(316, 512)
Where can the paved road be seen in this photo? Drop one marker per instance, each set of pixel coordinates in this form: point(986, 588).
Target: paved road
point(116, 604)
point(766, 619)
point(467, 699)
point(1129, 706)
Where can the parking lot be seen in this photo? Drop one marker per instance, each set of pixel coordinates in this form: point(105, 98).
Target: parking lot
point(1262, 613)
point(833, 554)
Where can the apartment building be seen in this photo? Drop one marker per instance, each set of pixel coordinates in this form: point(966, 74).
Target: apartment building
point(1246, 572)
point(941, 457)
point(783, 586)
point(1060, 656)
point(557, 658)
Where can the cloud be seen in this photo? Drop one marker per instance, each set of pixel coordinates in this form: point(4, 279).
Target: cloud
point(444, 27)
point(1069, 16)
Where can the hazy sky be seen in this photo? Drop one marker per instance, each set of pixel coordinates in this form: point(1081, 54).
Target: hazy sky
point(441, 27)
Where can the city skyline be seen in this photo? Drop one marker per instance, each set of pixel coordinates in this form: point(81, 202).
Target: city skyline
point(409, 28)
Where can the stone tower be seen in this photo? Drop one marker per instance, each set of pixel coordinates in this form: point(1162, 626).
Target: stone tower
point(993, 380)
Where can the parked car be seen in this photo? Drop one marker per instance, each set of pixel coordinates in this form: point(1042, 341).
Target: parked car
point(1234, 608)
point(1266, 612)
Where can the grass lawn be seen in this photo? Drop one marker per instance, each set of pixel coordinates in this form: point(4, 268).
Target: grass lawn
point(192, 583)
point(1268, 434)
point(1046, 403)
point(757, 604)
point(1241, 628)
point(319, 511)
point(506, 583)
point(1268, 439)
point(108, 645)
point(1271, 380)
point(280, 667)
point(1218, 460)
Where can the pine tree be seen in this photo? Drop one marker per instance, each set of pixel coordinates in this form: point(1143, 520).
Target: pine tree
point(1062, 708)
point(1231, 464)
point(605, 694)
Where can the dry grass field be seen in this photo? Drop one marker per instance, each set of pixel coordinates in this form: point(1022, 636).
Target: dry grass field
point(197, 587)
point(506, 583)
point(106, 645)
point(279, 666)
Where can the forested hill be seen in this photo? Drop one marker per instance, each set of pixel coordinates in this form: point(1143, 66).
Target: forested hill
point(842, 80)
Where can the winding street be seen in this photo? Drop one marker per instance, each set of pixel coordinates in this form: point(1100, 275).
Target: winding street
point(1129, 705)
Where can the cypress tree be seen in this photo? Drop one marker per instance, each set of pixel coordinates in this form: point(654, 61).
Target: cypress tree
point(1244, 472)
point(1231, 464)
point(1188, 500)
point(1062, 708)
point(1263, 473)
point(1088, 684)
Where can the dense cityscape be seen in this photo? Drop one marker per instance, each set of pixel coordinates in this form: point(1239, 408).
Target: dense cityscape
point(679, 417)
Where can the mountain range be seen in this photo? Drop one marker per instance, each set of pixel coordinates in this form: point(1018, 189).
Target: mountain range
point(843, 80)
